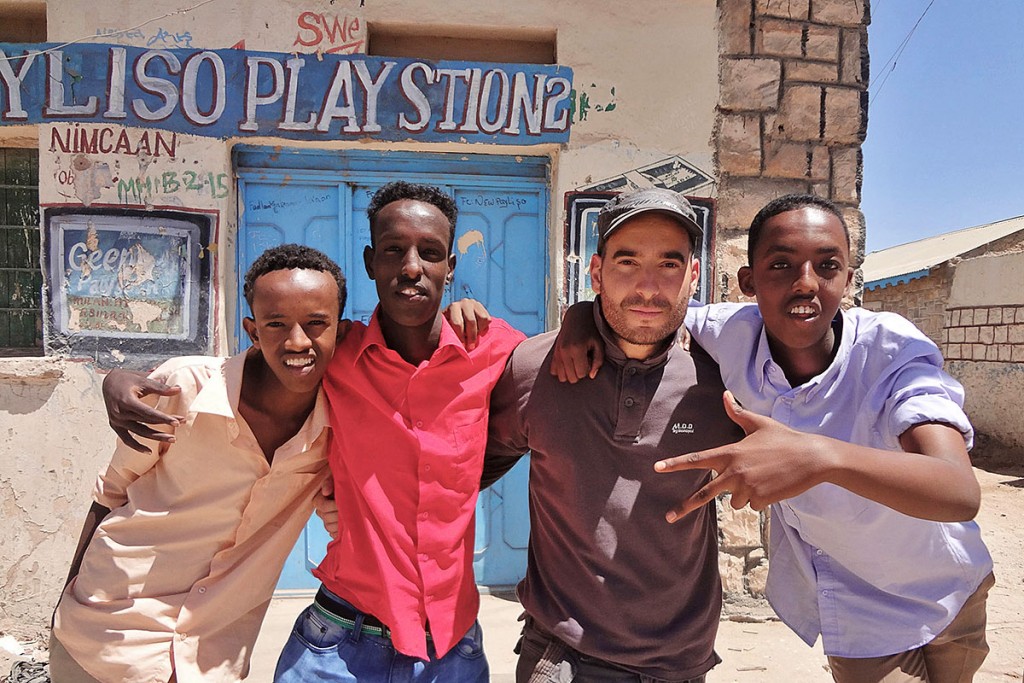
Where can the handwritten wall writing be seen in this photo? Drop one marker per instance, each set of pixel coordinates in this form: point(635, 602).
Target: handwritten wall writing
point(334, 33)
point(137, 189)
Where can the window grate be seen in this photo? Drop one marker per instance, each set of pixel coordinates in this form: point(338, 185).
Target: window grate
point(21, 280)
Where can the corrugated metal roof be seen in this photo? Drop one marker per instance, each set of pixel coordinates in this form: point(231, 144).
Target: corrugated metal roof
point(906, 261)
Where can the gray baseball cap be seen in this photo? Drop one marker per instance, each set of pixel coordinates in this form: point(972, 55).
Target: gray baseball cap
point(628, 205)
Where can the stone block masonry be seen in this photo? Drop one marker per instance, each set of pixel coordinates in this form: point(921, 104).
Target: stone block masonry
point(984, 333)
point(791, 117)
point(792, 111)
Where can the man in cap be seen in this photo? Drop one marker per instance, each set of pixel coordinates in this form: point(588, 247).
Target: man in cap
point(612, 592)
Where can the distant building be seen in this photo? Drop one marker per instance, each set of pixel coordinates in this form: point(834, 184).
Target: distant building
point(965, 289)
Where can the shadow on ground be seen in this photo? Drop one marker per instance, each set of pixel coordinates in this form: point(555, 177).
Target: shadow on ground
point(998, 458)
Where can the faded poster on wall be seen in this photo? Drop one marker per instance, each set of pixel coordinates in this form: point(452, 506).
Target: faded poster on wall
point(127, 282)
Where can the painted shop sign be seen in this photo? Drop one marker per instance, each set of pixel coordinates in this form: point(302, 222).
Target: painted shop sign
point(224, 93)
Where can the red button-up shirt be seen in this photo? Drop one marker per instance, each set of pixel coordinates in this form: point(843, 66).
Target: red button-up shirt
point(406, 454)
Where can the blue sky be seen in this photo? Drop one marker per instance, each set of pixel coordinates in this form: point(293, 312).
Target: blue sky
point(945, 144)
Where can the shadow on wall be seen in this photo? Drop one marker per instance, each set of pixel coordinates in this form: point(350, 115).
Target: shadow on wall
point(27, 391)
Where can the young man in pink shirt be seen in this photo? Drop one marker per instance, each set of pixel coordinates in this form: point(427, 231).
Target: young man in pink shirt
point(182, 547)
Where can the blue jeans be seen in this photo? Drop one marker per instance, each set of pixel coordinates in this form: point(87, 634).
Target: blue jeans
point(321, 650)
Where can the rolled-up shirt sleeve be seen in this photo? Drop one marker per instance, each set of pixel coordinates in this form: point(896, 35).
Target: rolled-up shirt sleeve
point(922, 392)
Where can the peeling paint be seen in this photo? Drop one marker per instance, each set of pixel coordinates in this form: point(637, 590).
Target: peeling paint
point(91, 178)
point(468, 239)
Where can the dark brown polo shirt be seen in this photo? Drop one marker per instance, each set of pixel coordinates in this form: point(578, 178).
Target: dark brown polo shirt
point(607, 574)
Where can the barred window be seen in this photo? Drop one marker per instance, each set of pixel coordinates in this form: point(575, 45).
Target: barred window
point(21, 279)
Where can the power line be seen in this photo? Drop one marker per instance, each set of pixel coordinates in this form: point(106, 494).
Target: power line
point(894, 59)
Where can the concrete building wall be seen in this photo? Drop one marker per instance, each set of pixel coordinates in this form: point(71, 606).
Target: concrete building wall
point(972, 307)
point(984, 347)
point(792, 114)
point(773, 98)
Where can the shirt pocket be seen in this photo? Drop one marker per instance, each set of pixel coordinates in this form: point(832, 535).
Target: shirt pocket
point(468, 458)
point(470, 441)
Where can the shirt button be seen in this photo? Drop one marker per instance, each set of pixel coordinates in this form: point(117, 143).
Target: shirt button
point(826, 592)
point(819, 551)
point(202, 590)
point(419, 423)
point(630, 402)
point(182, 636)
point(632, 371)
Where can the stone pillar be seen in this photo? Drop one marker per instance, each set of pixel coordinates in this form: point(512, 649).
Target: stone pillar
point(792, 115)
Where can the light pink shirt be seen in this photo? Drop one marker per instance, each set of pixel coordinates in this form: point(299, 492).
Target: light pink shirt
point(179, 575)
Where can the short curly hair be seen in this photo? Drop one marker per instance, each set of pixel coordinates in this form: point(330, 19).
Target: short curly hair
point(429, 194)
point(294, 256)
point(789, 202)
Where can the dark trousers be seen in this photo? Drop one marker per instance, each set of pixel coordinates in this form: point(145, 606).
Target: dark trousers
point(545, 659)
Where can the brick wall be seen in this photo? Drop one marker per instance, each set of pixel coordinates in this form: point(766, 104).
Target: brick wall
point(792, 113)
point(984, 333)
point(922, 301)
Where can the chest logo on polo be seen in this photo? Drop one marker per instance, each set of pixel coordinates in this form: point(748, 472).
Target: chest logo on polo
point(682, 428)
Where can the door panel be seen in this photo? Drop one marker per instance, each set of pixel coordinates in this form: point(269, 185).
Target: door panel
point(320, 199)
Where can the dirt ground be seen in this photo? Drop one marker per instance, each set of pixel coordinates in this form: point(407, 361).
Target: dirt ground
point(766, 651)
point(1002, 524)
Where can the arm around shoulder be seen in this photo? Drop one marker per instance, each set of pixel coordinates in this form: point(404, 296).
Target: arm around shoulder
point(507, 438)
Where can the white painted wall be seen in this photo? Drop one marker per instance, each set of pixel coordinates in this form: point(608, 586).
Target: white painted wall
point(993, 389)
point(996, 280)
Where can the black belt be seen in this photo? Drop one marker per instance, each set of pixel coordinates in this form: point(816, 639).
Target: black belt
point(346, 616)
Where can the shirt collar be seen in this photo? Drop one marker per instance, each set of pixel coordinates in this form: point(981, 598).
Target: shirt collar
point(846, 338)
point(614, 353)
point(765, 363)
point(221, 394)
point(374, 336)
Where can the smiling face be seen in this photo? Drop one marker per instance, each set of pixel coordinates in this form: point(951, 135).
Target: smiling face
point(799, 272)
point(645, 277)
point(410, 262)
point(295, 325)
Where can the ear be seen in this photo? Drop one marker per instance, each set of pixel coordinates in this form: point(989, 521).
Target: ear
point(596, 275)
point(368, 262)
point(746, 280)
point(451, 269)
point(849, 277)
point(250, 329)
point(694, 276)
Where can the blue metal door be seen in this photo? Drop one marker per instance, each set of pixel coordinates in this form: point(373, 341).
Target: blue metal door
point(320, 199)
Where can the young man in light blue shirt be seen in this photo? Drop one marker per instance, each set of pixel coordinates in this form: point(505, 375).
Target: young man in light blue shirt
point(858, 441)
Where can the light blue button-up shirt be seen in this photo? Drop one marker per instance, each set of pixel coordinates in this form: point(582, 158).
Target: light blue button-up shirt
point(872, 581)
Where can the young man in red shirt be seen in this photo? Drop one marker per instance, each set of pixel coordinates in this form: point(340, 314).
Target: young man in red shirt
point(408, 407)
